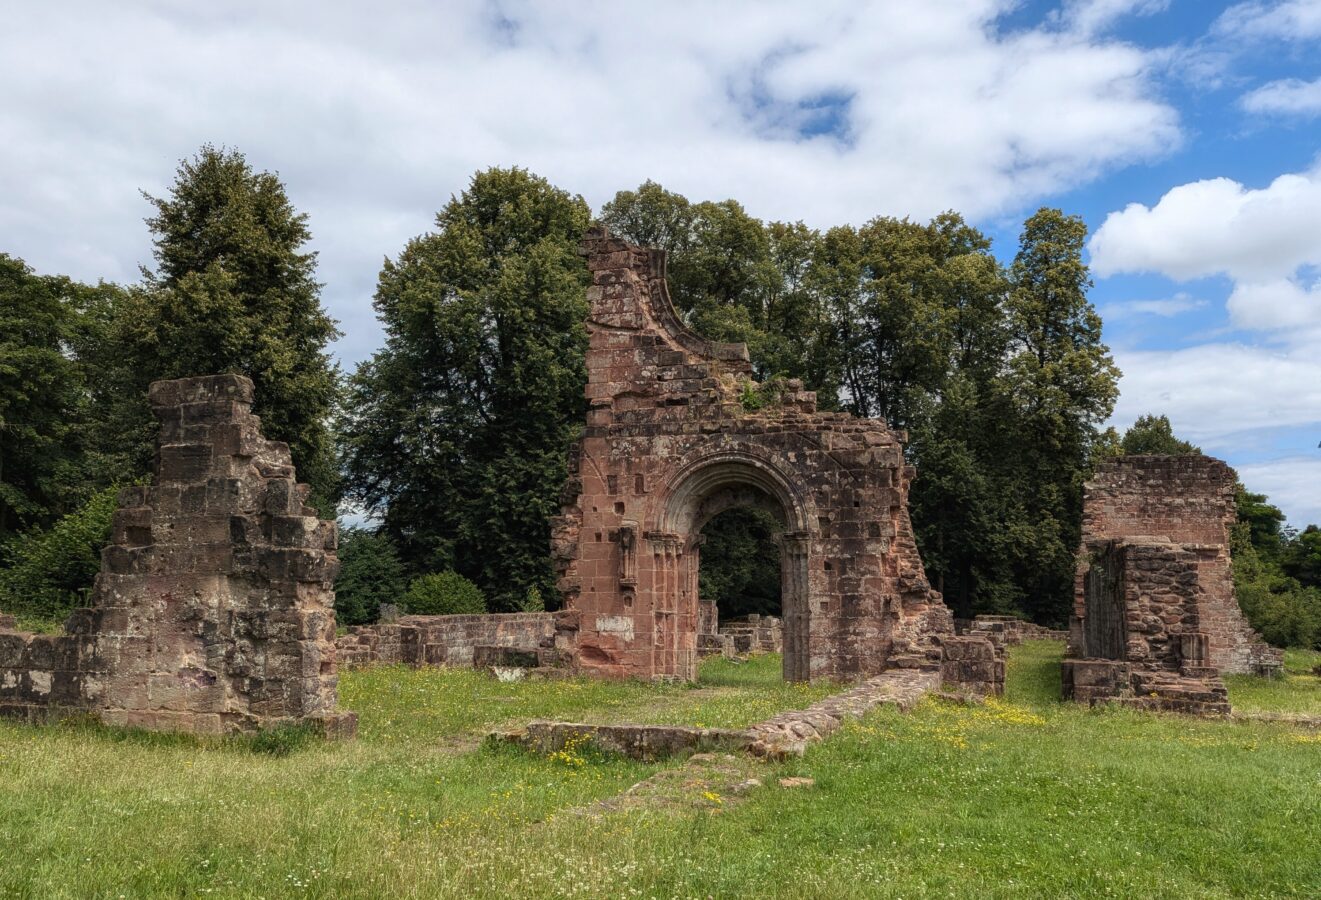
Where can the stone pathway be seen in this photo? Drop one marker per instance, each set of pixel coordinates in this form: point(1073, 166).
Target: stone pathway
point(789, 733)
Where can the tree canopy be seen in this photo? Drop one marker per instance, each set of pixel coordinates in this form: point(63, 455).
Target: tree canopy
point(234, 291)
point(456, 433)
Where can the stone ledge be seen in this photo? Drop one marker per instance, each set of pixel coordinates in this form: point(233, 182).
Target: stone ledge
point(644, 742)
point(783, 735)
point(789, 733)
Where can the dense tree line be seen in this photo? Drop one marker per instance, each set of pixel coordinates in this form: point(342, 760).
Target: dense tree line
point(452, 438)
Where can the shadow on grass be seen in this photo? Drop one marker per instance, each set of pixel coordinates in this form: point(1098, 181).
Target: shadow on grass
point(281, 740)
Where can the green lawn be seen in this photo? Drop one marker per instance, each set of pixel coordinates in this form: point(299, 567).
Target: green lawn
point(1299, 691)
point(1024, 797)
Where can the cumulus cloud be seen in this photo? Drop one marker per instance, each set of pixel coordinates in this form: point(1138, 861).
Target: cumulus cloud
point(833, 111)
point(1292, 20)
point(1235, 400)
point(1277, 305)
point(1264, 239)
point(1214, 392)
point(1216, 227)
point(1288, 96)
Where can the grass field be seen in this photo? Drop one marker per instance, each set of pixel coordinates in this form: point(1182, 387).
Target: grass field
point(1023, 797)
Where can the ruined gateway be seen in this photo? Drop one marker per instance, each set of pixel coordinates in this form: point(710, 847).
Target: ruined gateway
point(671, 442)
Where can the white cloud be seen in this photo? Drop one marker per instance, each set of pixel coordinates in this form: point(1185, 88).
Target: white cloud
point(1092, 16)
point(1214, 392)
point(1216, 227)
point(1277, 305)
point(1234, 401)
point(375, 115)
point(1264, 239)
point(1165, 307)
point(1288, 96)
point(1292, 20)
point(1292, 483)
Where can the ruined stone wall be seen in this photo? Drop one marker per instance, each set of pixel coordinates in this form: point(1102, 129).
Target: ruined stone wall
point(1184, 500)
point(1155, 620)
point(762, 634)
point(449, 640)
point(1007, 631)
point(213, 609)
point(676, 433)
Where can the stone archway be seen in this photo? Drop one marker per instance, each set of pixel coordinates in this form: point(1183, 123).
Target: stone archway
point(701, 490)
point(671, 441)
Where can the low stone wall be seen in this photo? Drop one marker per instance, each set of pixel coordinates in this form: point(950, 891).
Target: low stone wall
point(762, 634)
point(645, 742)
point(783, 735)
point(789, 733)
point(453, 640)
point(1008, 631)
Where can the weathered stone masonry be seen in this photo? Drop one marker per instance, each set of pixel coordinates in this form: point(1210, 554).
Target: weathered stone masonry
point(1155, 619)
point(669, 445)
point(457, 640)
point(213, 611)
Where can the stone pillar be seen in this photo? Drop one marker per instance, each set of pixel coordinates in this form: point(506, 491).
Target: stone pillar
point(795, 605)
point(213, 610)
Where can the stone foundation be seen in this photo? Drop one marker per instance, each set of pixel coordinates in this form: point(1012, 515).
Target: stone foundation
point(783, 735)
point(1008, 631)
point(754, 634)
point(213, 610)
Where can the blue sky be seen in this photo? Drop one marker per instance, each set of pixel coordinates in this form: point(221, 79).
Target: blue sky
point(1187, 134)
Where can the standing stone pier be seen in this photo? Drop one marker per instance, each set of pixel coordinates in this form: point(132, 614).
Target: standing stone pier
point(213, 611)
point(1155, 620)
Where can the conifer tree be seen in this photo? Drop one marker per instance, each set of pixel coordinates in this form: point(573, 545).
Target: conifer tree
point(234, 290)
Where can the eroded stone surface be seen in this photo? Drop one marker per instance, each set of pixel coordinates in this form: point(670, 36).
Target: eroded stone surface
point(213, 610)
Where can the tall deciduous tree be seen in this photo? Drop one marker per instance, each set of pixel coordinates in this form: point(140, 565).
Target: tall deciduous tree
point(40, 394)
point(234, 290)
point(1154, 434)
point(1064, 385)
point(456, 433)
